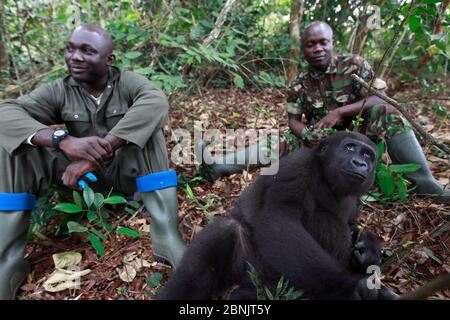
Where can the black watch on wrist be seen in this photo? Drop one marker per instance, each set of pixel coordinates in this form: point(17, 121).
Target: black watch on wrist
point(57, 137)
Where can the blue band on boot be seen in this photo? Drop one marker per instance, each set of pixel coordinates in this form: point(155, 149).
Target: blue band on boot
point(157, 181)
point(17, 201)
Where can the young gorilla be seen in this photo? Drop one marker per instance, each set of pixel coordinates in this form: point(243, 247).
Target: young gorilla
point(297, 224)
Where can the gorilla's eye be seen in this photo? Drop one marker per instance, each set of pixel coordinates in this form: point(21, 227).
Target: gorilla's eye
point(367, 155)
point(350, 147)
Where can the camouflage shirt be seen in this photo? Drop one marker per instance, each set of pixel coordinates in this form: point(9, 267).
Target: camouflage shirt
point(315, 93)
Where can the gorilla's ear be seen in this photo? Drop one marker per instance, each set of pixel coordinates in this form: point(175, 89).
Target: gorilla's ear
point(323, 146)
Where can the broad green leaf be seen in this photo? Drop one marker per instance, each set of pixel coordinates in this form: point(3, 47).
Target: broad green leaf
point(88, 196)
point(99, 234)
point(115, 200)
point(440, 110)
point(68, 207)
point(189, 192)
point(133, 55)
point(143, 71)
point(385, 180)
point(97, 244)
point(77, 199)
point(238, 81)
point(407, 58)
point(73, 226)
point(155, 279)
point(430, 1)
point(415, 24)
point(107, 226)
point(380, 150)
point(128, 232)
point(401, 188)
point(431, 255)
point(91, 215)
point(134, 204)
point(98, 200)
point(404, 168)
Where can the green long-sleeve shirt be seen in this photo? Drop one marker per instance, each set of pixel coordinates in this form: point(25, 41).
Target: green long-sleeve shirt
point(131, 108)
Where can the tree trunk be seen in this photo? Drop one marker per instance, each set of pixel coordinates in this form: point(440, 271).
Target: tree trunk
point(3, 54)
point(436, 30)
point(219, 22)
point(362, 30)
point(387, 63)
point(296, 16)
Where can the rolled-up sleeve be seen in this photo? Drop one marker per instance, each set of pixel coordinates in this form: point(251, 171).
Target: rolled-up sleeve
point(22, 117)
point(293, 101)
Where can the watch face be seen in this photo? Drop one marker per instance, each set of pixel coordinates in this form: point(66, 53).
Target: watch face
point(59, 133)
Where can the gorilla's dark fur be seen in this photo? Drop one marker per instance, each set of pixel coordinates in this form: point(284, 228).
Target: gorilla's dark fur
point(297, 224)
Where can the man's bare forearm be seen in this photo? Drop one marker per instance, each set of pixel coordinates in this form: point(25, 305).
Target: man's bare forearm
point(296, 125)
point(115, 142)
point(43, 138)
point(353, 109)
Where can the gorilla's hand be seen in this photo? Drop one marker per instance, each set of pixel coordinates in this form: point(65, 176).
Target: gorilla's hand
point(365, 252)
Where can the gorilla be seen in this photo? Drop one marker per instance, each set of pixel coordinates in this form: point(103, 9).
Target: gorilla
point(300, 224)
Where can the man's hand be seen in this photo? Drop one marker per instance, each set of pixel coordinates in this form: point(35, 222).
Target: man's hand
point(93, 149)
point(330, 120)
point(75, 171)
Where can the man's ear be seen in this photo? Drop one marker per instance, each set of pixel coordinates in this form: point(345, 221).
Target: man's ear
point(111, 59)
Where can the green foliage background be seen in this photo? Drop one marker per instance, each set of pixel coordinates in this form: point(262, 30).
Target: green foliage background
point(163, 39)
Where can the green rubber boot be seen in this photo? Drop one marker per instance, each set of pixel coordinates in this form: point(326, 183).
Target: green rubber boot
point(13, 239)
point(234, 162)
point(404, 148)
point(166, 240)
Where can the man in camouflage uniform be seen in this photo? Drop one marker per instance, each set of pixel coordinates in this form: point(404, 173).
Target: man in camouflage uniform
point(328, 97)
point(115, 121)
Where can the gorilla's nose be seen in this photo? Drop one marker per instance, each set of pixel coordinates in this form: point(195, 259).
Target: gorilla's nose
point(359, 163)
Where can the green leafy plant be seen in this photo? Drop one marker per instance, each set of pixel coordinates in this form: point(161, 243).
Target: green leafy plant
point(391, 183)
point(282, 290)
point(93, 205)
point(203, 205)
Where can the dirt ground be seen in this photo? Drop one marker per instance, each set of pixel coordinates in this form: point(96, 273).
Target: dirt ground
point(415, 234)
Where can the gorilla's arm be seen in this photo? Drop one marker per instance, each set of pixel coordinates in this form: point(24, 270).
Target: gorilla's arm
point(288, 249)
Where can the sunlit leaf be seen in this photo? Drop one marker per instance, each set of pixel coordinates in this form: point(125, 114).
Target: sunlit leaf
point(97, 244)
point(128, 232)
point(115, 200)
point(88, 196)
point(133, 55)
point(68, 207)
point(73, 226)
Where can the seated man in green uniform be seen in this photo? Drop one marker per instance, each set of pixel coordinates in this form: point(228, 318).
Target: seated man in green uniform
point(328, 97)
point(114, 120)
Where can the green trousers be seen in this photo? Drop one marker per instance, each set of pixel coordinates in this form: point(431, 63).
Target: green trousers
point(32, 170)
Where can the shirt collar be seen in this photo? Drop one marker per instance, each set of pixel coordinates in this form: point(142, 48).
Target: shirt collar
point(331, 69)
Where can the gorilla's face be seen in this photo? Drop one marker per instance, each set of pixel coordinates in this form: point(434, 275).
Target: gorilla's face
point(349, 161)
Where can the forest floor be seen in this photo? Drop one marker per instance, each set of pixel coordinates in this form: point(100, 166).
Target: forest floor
point(415, 234)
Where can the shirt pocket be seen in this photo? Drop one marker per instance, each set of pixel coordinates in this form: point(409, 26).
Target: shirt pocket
point(78, 123)
point(113, 114)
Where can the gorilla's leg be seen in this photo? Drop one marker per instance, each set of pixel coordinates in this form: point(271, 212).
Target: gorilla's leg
point(404, 148)
point(208, 266)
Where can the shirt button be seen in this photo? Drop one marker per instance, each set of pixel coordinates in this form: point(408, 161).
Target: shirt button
point(75, 116)
point(109, 87)
point(115, 111)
